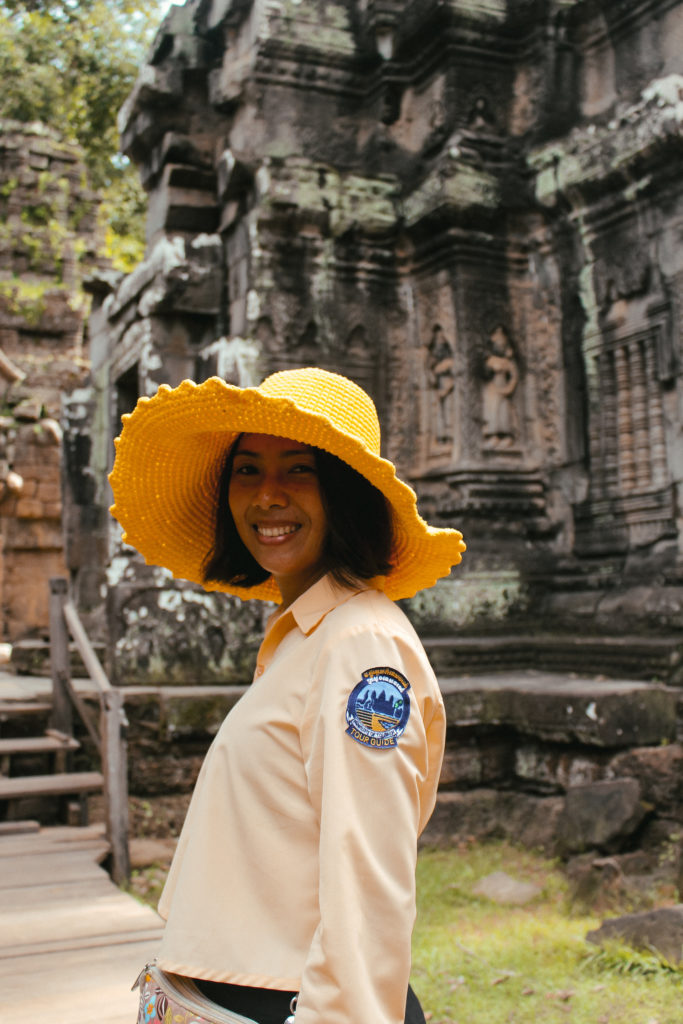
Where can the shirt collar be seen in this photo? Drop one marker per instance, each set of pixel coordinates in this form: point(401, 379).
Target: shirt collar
point(306, 612)
point(315, 603)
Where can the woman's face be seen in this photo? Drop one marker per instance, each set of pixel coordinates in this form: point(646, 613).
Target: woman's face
point(277, 506)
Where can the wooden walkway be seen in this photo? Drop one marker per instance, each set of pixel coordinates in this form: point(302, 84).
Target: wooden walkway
point(71, 943)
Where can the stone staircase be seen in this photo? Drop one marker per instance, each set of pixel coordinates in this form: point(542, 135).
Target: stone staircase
point(36, 780)
point(532, 718)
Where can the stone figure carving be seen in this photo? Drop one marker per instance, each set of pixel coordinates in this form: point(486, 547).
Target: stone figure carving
point(481, 115)
point(501, 376)
point(441, 381)
point(357, 342)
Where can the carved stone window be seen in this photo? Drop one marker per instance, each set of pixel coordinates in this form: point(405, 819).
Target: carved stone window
point(630, 502)
point(628, 451)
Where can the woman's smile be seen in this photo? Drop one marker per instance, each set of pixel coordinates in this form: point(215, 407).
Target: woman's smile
point(275, 532)
point(276, 503)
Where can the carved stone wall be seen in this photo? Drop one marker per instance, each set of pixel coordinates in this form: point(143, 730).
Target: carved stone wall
point(473, 209)
point(48, 241)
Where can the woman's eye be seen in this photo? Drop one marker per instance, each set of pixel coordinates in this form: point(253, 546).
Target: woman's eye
point(302, 468)
point(246, 469)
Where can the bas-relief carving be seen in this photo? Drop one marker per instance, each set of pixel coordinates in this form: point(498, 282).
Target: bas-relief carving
point(481, 116)
point(500, 424)
point(421, 115)
point(440, 367)
point(356, 344)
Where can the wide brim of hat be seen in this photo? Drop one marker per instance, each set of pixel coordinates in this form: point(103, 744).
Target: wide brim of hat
point(168, 463)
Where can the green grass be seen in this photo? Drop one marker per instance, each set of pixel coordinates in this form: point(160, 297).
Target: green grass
point(476, 962)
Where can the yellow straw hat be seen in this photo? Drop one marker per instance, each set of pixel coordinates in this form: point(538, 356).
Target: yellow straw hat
point(172, 449)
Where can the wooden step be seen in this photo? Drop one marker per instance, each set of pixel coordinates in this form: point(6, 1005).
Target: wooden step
point(31, 657)
point(9, 708)
point(37, 745)
point(50, 785)
point(18, 828)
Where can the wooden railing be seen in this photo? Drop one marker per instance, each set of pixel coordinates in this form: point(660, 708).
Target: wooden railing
point(108, 733)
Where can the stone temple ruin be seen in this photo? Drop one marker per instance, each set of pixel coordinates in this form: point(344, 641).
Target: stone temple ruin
point(49, 240)
point(474, 209)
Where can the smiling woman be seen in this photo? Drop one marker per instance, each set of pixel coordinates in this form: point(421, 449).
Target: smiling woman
point(294, 878)
point(276, 503)
point(272, 488)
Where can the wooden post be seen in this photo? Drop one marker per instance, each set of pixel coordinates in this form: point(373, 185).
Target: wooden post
point(115, 771)
point(62, 714)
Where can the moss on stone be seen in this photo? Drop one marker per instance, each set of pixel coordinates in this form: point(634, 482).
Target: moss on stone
point(26, 299)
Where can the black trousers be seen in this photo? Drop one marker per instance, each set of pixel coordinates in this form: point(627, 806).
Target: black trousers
point(271, 1006)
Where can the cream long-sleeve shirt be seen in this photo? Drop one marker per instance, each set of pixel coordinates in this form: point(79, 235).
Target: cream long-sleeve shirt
point(295, 869)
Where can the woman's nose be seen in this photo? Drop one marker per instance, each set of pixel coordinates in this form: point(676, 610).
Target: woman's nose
point(270, 494)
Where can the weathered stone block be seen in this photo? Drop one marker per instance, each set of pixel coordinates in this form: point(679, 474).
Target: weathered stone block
point(48, 492)
point(661, 930)
point(475, 763)
point(154, 86)
point(179, 712)
point(29, 508)
point(560, 709)
point(181, 634)
point(189, 711)
point(195, 285)
point(485, 814)
point(159, 776)
point(555, 769)
point(185, 201)
point(600, 816)
point(502, 888)
point(659, 770)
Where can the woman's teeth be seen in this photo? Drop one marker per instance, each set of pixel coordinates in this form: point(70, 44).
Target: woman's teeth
point(275, 531)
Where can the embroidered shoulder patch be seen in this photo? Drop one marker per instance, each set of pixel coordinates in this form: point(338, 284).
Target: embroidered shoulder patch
point(378, 708)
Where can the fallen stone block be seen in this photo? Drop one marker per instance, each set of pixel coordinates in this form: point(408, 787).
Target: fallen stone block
point(600, 816)
point(659, 771)
point(503, 888)
point(484, 814)
point(659, 930)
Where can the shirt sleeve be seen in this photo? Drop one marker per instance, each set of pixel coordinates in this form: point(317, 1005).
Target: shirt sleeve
point(372, 804)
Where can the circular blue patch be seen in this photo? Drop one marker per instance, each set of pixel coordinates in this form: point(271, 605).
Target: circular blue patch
point(378, 708)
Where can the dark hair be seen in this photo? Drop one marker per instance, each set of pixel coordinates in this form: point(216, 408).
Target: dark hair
point(360, 531)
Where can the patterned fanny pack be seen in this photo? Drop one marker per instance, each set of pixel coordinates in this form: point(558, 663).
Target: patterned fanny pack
point(172, 999)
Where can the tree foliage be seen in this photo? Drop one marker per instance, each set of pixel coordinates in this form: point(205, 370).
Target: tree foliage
point(71, 64)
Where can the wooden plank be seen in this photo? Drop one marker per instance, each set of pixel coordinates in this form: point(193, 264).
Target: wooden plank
point(50, 785)
point(60, 669)
point(79, 987)
point(27, 872)
point(12, 828)
point(115, 769)
point(85, 714)
point(37, 745)
point(72, 944)
point(85, 648)
point(23, 707)
point(58, 837)
point(22, 846)
point(110, 913)
point(52, 893)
